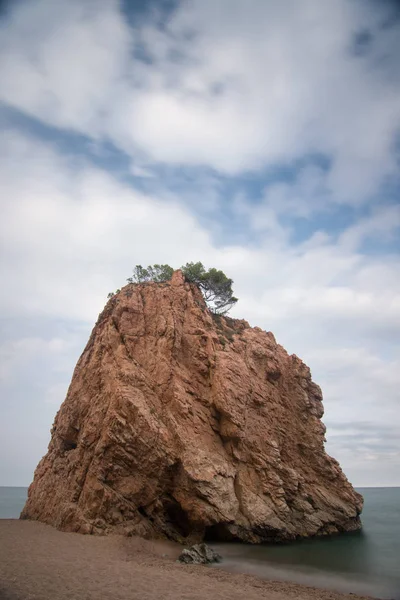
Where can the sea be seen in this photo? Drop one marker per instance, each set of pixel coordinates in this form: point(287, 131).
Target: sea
point(365, 562)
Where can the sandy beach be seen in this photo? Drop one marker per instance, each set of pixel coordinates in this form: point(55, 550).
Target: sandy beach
point(37, 562)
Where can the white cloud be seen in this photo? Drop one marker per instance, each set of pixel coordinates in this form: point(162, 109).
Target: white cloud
point(97, 230)
point(62, 61)
point(275, 82)
point(383, 224)
point(17, 354)
point(139, 171)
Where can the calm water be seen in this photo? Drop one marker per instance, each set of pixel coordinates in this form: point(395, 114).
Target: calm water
point(12, 500)
point(367, 562)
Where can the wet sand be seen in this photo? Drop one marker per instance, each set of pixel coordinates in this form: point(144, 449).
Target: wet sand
point(37, 562)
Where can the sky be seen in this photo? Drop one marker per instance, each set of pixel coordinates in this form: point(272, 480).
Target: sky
point(259, 137)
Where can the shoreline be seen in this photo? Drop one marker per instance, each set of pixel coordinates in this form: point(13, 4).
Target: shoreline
point(39, 562)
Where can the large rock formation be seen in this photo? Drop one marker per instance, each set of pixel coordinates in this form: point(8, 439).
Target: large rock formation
point(185, 425)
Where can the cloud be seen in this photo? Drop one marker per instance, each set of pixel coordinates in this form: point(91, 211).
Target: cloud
point(62, 61)
point(371, 450)
point(15, 355)
point(275, 83)
point(97, 228)
point(381, 224)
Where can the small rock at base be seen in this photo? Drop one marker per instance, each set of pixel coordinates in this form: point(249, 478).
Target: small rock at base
point(199, 554)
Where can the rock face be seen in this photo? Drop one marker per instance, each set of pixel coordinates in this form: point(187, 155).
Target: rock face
point(184, 425)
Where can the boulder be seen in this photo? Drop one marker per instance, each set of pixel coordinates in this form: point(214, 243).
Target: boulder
point(185, 425)
point(199, 554)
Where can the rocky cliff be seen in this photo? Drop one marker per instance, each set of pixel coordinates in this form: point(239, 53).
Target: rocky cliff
point(185, 425)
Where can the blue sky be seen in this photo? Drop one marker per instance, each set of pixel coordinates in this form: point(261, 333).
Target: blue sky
point(259, 137)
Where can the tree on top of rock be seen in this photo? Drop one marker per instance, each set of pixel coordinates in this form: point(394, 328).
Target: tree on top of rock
point(215, 286)
point(157, 273)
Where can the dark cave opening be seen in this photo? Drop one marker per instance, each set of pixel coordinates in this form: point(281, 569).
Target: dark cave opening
point(219, 533)
point(68, 445)
point(178, 518)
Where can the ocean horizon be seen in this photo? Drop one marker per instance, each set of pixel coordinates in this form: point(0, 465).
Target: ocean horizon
point(364, 562)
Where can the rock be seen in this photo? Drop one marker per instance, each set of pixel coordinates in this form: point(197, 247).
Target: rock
point(184, 425)
point(199, 554)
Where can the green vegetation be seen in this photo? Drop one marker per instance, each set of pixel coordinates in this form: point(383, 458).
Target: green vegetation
point(215, 286)
point(157, 273)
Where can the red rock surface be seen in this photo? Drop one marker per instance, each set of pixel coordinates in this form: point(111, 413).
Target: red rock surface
point(184, 425)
